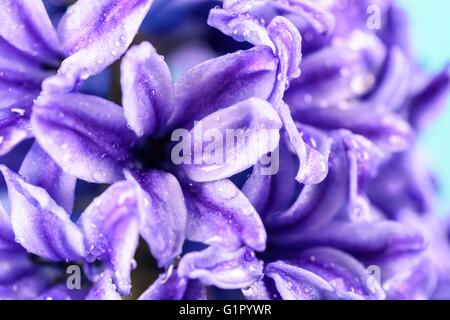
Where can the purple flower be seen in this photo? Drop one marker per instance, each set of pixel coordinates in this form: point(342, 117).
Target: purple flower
point(347, 214)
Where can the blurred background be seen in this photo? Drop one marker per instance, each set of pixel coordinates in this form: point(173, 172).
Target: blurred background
point(429, 28)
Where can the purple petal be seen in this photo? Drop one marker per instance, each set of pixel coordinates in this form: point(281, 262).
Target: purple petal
point(111, 229)
point(236, 137)
point(162, 213)
point(87, 136)
point(96, 33)
point(36, 35)
point(323, 273)
point(287, 42)
point(220, 215)
point(104, 289)
point(222, 82)
point(384, 128)
point(6, 231)
point(17, 87)
point(426, 105)
point(40, 225)
point(222, 268)
point(14, 126)
point(148, 97)
point(376, 237)
point(271, 193)
point(59, 184)
point(166, 287)
point(337, 73)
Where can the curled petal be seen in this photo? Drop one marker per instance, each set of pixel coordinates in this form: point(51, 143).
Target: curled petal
point(85, 135)
point(96, 33)
point(148, 97)
point(162, 213)
point(40, 225)
point(237, 137)
point(315, 13)
point(309, 276)
point(222, 82)
point(59, 184)
point(222, 268)
point(103, 289)
point(219, 214)
point(14, 126)
point(240, 25)
point(111, 231)
point(288, 47)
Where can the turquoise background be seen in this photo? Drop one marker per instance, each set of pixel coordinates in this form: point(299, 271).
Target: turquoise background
point(430, 34)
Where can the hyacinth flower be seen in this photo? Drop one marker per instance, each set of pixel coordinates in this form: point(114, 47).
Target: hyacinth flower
point(35, 56)
point(167, 204)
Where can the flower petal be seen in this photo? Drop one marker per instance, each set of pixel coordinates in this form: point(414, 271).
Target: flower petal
point(103, 289)
point(219, 214)
point(224, 269)
point(375, 237)
point(59, 184)
point(222, 82)
point(166, 287)
point(87, 136)
point(162, 213)
point(40, 225)
point(111, 231)
point(14, 125)
point(323, 273)
point(237, 137)
point(96, 33)
point(36, 36)
point(148, 97)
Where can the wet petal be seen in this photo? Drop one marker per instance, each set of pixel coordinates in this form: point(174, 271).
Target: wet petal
point(386, 129)
point(17, 87)
point(6, 231)
point(14, 126)
point(323, 273)
point(147, 89)
point(40, 225)
point(162, 213)
point(222, 82)
point(36, 36)
point(236, 138)
point(219, 214)
point(222, 268)
point(96, 33)
point(103, 289)
point(337, 73)
point(273, 193)
point(111, 230)
point(87, 136)
point(59, 184)
point(166, 287)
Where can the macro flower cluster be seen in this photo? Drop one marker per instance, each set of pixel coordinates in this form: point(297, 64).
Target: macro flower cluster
point(112, 120)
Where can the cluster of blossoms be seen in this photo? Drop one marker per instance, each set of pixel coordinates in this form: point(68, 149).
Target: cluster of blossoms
point(349, 213)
